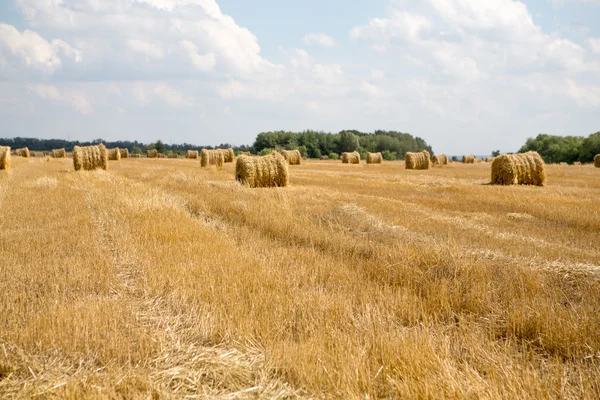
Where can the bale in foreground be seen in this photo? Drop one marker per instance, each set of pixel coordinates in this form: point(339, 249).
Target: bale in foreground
point(351, 158)
point(124, 153)
point(374, 158)
point(266, 171)
point(211, 157)
point(293, 157)
point(228, 155)
point(152, 153)
point(519, 169)
point(4, 157)
point(114, 154)
point(440, 159)
point(89, 158)
point(417, 160)
point(468, 159)
point(192, 154)
point(597, 161)
point(24, 152)
point(59, 153)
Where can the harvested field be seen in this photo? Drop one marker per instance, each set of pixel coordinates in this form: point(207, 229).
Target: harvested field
point(161, 279)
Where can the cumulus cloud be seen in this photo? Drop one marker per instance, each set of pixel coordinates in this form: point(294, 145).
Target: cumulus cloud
point(320, 39)
point(76, 99)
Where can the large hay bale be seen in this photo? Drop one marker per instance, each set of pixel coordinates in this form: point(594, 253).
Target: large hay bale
point(266, 171)
point(4, 157)
point(24, 152)
point(114, 154)
point(89, 158)
point(124, 153)
point(211, 157)
point(293, 157)
point(374, 158)
point(192, 154)
point(519, 169)
point(597, 161)
point(468, 159)
point(351, 158)
point(418, 160)
point(439, 159)
point(59, 153)
point(228, 155)
point(153, 153)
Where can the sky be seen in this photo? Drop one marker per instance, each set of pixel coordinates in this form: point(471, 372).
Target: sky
point(468, 76)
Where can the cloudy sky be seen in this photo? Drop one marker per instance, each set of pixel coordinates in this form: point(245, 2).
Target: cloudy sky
point(465, 75)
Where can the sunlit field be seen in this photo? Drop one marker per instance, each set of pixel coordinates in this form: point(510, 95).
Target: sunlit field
point(161, 279)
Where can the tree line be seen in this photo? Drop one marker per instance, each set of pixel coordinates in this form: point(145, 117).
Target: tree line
point(569, 149)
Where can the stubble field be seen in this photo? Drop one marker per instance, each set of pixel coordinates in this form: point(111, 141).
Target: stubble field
point(161, 279)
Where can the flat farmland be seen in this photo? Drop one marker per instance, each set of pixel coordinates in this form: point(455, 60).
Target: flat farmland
point(161, 279)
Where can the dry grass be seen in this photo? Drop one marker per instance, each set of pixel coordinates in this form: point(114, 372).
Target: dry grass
point(192, 154)
point(266, 171)
point(417, 160)
point(211, 157)
point(351, 158)
point(90, 158)
point(351, 283)
point(293, 157)
point(4, 157)
point(114, 154)
point(374, 158)
point(519, 169)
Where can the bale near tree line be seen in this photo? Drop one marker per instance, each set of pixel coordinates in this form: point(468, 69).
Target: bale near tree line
point(4, 157)
point(211, 157)
point(161, 155)
point(59, 153)
point(519, 169)
point(374, 158)
point(417, 160)
point(266, 171)
point(192, 154)
point(468, 159)
point(135, 155)
point(597, 161)
point(89, 158)
point(351, 158)
point(228, 155)
point(24, 152)
point(175, 155)
point(114, 154)
point(440, 159)
point(153, 153)
point(293, 157)
point(124, 153)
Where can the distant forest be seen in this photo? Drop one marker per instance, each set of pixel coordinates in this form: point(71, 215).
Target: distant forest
point(569, 149)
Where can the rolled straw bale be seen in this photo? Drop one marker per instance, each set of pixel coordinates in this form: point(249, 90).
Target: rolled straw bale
point(351, 158)
point(468, 159)
point(59, 153)
point(597, 161)
point(175, 155)
point(192, 154)
point(293, 157)
point(211, 157)
point(114, 154)
point(124, 153)
point(4, 157)
point(153, 153)
point(90, 157)
point(439, 159)
point(418, 160)
point(161, 155)
point(24, 152)
point(266, 171)
point(228, 155)
point(324, 158)
point(374, 158)
point(519, 169)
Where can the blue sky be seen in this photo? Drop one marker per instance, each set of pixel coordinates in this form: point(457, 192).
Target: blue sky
point(468, 76)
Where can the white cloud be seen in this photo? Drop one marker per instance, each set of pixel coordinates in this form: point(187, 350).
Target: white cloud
point(594, 44)
point(319, 38)
point(45, 91)
point(81, 103)
point(171, 96)
point(205, 62)
point(399, 26)
point(370, 89)
point(586, 96)
point(147, 49)
point(76, 99)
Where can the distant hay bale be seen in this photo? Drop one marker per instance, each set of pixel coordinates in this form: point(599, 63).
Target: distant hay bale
point(266, 171)
point(135, 155)
point(90, 158)
point(245, 153)
point(489, 159)
point(374, 158)
point(597, 161)
point(519, 169)
point(161, 155)
point(152, 153)
point(114, 154)
point(468, 159)
point(293, 157)
point(59, 153)
point(4, 157)
point(124, 153)
point(418, 160)
point(175, 155)
point(211, 157)
point(440, 159)
point(324, 158)
point(351, 158)
point(228, 155)
point(192, 155)
point(562, 163)
point(23, 152)
point(577, 163)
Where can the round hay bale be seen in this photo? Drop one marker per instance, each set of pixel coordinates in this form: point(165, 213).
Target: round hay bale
point(192, 154)
point(519, 169)
point(468, 159)
point(211, 157)
point(23, 152)
point(351, 158)
point(597, 161)
point(324, 158)
point(374, 158)
point(59, 153)
point(175, 155)
point(418, 160)
point(124, 153)
point(114, 154)
point(153, 153)
point(293, 157)
point(228, 155)
point(266, 171)
point(90, 158)
point(4, 157)
point(161, 155)
point(439, 159)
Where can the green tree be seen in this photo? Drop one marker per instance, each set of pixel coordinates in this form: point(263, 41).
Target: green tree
point(136, 150)
point(589, 148)
point(495, 153)
point(348, 142)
